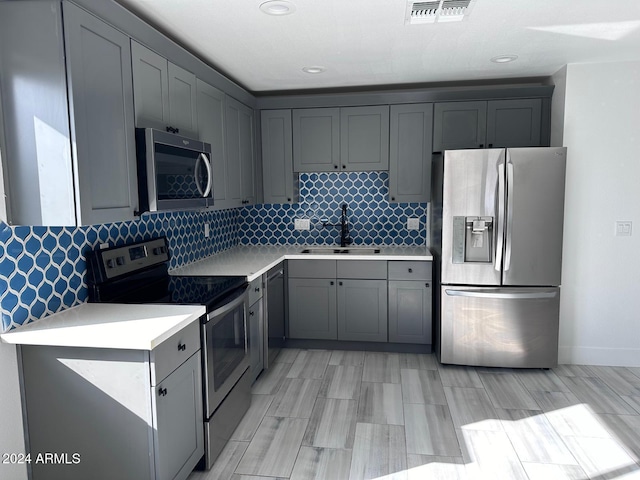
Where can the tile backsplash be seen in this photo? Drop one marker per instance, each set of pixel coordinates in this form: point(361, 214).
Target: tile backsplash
point(372, 219)
point(43, 269)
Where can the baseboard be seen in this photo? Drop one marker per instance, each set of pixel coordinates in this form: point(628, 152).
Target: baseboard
point(620, 357)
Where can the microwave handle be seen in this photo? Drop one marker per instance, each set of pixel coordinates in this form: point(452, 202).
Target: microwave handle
point(203, 158)
point(207, 163)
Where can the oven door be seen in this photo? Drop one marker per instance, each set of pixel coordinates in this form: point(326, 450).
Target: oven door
point(224, 348)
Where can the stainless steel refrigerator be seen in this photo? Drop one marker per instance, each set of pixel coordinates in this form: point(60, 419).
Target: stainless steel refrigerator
point(497, 218)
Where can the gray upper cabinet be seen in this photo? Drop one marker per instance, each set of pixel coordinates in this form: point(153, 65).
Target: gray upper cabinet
point(362, 310)
point(410, 151)
point(364, 138)
point(459, 125)
point(240, 151)
point(514, 123)
point(69, 129)
point(487, 124)
point(316, 139)
point(150, 86)
point(277, 156)
point(101, 111)
point(182, 99)
point(211, 103)
point(165, 94)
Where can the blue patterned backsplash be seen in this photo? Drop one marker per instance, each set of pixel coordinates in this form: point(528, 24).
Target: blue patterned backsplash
point(43, 269)
point(372, 219)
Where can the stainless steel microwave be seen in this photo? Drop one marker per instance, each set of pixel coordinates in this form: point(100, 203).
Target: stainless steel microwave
point(174, 172)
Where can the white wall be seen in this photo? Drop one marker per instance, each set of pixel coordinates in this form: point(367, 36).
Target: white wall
point(11, 432)
point(600, 303)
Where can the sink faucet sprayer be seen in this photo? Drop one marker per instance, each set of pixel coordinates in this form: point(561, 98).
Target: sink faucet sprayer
point(345, 238)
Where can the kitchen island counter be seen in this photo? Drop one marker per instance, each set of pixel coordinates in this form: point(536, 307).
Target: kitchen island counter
point(254, 260)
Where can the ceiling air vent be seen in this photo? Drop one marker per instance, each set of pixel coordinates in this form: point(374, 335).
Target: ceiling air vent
point(437, 11)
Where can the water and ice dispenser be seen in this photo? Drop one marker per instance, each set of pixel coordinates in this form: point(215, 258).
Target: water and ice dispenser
point(473, 239)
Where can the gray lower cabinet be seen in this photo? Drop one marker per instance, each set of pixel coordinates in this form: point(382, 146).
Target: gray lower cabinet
point(312, 308)
point(125, 414)
point(362, 310)
point(256, 338)
point(410, 318)
point(277, 156)
point(410, 152)
point(178, 436)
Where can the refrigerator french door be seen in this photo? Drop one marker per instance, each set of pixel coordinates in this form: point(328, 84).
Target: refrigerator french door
point(501, 255)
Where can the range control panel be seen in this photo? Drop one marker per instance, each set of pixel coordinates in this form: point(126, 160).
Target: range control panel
point(130, 258)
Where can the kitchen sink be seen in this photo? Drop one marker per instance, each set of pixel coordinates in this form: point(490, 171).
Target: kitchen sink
point(341, 250)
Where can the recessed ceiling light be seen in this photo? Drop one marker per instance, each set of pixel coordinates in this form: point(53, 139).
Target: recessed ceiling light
point(278, 7)
point(504, 58)
point(315, 69)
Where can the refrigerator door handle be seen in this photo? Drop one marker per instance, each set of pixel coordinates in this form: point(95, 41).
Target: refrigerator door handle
point(498, 294)
point(507, 250)
point(500, 227)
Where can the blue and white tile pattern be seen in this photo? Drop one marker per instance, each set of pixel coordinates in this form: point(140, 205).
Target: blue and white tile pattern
point(43, 269)
point(372, 219)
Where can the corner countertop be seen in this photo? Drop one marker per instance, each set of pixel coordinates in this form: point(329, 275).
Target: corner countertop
point(107, 325)
point(254, 260)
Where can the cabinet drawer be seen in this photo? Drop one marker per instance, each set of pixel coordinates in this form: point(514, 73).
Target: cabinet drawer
point(409, 270)
point(312, 268)
point(174, 351)
point(374, 269)
point(255, 290)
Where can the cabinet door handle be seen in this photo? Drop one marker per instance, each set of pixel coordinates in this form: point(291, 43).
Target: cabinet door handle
point(411, 270)
point(393, 199)
point(251, 313)
point(288, 199)
point(170, 129)
point(162, 392)
point(340, 283)
point(331, 283)
point(426, 285)
point(335, 166)
point(481, 145)
point(182, 347)
point(344, 166)
point(257, 289)
point(490, 145)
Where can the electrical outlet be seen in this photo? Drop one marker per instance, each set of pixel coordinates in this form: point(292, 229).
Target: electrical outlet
point(206, 230)
point(413, 224)
point(302, 224)
point(623, 229)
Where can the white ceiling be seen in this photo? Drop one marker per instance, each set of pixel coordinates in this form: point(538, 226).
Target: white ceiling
point(366, 42)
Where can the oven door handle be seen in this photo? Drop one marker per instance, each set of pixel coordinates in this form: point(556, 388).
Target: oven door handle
point(220, 312)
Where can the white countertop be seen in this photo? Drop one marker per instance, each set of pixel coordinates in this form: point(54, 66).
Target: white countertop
point(107, 325)
point(254, 260)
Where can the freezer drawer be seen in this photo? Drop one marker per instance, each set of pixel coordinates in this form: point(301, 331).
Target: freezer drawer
point(500, 327)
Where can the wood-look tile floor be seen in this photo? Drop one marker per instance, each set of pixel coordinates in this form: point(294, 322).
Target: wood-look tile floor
point(334, 415)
